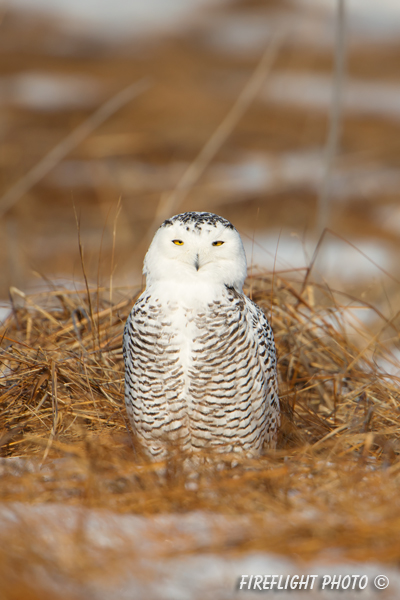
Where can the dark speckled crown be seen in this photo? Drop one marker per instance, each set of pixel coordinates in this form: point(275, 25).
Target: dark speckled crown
point(196, 220)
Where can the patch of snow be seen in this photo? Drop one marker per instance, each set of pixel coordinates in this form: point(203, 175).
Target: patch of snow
point(390, 363)
point(239, 34)
point(336, 259)
point(379, 20)
point(5, 311)
point(315, 92)
point(44, 91)
point(310, 22)
point(264, 172)
point(115, 19)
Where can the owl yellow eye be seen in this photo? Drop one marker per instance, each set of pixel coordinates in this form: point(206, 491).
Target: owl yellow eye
point(219, 243)
point(177, 242)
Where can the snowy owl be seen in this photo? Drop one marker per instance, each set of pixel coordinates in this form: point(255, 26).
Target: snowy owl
point(200, 362)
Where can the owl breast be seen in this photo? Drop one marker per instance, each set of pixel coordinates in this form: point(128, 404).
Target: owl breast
point(202, 378)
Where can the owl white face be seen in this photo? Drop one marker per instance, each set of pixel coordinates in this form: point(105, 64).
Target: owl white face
point(196, 248)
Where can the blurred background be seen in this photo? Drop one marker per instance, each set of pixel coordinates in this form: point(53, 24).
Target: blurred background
point(318, 146)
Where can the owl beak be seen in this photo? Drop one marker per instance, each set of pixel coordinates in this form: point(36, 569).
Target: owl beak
point(197, 263)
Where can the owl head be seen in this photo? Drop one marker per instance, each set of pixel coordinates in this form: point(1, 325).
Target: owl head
point(196, 247)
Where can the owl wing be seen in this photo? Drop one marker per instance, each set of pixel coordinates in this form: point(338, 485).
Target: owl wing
point(267, 355)
point(138, 351)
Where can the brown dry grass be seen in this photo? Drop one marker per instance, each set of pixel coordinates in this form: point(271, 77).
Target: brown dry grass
point(331, 485)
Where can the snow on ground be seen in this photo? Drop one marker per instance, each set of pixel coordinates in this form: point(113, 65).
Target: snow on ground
point(315, 92)
point(337, 260)
point(163, 557)
point(5, 310)
point(112, 19)
point(49, 92)
point(118, 18)
point(368, 17)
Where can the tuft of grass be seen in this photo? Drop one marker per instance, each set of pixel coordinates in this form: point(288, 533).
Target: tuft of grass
point(332, 484)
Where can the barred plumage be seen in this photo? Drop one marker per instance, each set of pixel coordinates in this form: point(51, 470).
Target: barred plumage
point(199, 355)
